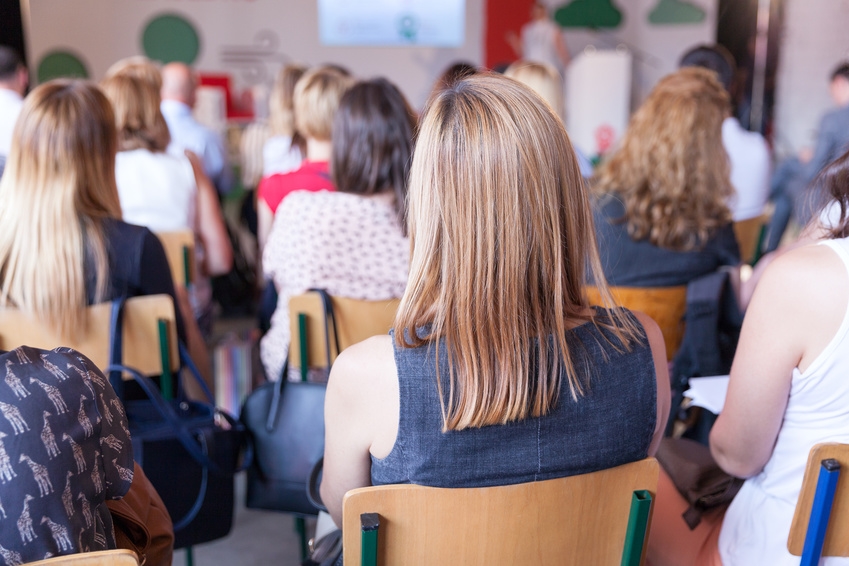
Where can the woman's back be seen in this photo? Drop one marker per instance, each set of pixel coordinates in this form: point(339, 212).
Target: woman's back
point(611, 424)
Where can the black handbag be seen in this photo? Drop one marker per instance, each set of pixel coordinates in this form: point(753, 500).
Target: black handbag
point(285, 422)
point(189, 450)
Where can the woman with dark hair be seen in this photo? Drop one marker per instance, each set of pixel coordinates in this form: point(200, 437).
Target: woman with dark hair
point(788, 391)
point(350, 242)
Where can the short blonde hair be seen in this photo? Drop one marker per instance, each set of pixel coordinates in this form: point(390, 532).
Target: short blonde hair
point(58, 186)
point(282, 101)
point(317, 97)
point(671, 171)
point(543, 79)
point(138, 119)
point(502, 240)
point(138, 66)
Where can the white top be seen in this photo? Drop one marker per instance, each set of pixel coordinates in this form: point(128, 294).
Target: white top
point(10, 106)
point(748, 155)
point(539, 43)
point(157, 190)
point(350, 245)
point(757, 523)
point(280, 156)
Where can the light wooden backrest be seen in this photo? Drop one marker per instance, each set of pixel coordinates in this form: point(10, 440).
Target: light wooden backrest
point(575, 520)
point(141, 333)
point(356, 320)
point(748, 234)
point(180, 250)
point(116, 557)
point(836, 542)
point(665, 305)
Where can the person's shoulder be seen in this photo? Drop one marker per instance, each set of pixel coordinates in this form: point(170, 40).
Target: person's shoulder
point(366, 366)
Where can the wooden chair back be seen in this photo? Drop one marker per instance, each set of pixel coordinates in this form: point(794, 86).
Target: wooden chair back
point(356, 320)
point(116, 557)
point(828, 522)
point(665, 305)
point(575, 520)
point(142, 316)
point(748, 234)
point(180, 250)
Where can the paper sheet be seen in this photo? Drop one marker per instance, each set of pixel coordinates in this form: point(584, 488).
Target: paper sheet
point(708, 392)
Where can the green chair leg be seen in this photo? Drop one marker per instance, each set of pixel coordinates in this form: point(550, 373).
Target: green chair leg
point(370, 525)
point(301, 529)
point(166, 384)
point(638, 521)
point(190, 556)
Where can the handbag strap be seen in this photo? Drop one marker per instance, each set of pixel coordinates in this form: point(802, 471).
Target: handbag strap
point(187, 362)
point(116, 346)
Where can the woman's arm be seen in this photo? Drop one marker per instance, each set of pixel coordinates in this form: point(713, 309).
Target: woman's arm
point(361, 414)
point(795, 311)
point(661, 371)
point(210, 224)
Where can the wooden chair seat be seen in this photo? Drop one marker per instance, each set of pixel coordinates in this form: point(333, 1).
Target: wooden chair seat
point(575, 520)
point(748, 233)
point(821, 519)
point(180, 250)
point(117, 557)
point(665, 305)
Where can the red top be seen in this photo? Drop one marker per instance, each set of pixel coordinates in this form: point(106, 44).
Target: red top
point(311, 176)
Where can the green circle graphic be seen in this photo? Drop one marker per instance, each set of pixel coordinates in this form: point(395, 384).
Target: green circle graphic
point(169, 38)
point(59, 64)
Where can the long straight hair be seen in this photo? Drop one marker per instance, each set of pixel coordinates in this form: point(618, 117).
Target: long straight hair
point(502, 241)
point(58, 186)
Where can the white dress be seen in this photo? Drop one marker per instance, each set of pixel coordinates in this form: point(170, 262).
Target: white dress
point(350, 245)
point(757, 523)
point(157, 190)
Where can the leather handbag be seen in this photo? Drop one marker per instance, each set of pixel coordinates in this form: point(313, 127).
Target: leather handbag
point(285, 422)
point(189, 450)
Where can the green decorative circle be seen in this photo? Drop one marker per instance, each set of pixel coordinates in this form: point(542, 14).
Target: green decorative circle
point(59, 64)
point(169, 38)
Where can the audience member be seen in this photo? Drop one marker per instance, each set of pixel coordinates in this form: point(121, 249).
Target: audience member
point(542, 40)
point(349, 242)
point(788, 391)
point(662, 218)
point(748, 153)
point(13, 85)
point(163, 191)
point(494, 340)
point(179, 84)
point(284, 151)
point(454, 73)
point(544, 80)
point(791, 180)
point(316, 98)
point(66, 451)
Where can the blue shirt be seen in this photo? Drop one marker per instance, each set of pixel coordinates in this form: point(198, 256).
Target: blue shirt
point(188, 133)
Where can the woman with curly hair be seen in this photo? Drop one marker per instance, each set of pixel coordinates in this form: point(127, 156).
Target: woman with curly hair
point(662, 218)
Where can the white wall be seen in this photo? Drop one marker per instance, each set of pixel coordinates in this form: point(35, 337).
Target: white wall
point(815, 40)
point(267, 33)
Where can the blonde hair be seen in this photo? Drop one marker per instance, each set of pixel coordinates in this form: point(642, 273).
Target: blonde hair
point(58, 186)
point(502, 239)
point(282, 101)
point(137, 66)
point(543, 79)
point(317, 96)
point(138, 119)
point(671, 171)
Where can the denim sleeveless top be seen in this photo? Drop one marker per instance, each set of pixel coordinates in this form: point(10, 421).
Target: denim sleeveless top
point(611, 424)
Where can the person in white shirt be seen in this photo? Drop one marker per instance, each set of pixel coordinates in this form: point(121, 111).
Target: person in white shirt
point(748, 152)
point(178, 97)
point(13, 84)
point(542, 40)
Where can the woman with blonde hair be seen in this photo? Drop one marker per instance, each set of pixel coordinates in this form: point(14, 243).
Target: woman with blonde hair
point(662, 218)
point(544, 80)
point(284, 150)
point(498, 372)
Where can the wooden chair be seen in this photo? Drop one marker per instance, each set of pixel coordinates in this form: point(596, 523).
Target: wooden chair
point(599, 518)
point(117, 557)
point(749, 236)
point(665, 305)
point(150, 334)
point(180, 250)
point(356, 320)
point(821, 520)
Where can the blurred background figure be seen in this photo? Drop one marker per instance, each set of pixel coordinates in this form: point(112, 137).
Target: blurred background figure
point(14, 80)
point(542, 40)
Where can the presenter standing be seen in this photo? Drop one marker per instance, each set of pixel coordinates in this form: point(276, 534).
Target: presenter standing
point(541, 40)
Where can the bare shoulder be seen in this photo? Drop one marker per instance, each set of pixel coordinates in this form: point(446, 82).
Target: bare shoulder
point(811, 273)
point(365, 367)
point(652, 330)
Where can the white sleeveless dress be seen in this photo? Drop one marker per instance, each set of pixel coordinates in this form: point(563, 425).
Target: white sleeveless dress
point(757, 523)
